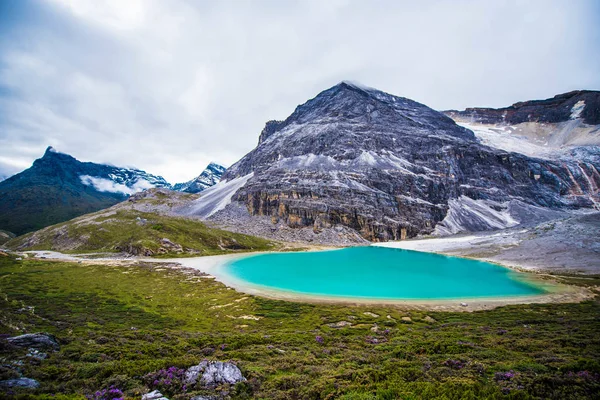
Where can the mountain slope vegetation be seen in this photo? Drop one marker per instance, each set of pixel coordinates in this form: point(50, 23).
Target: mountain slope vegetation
point(140, 226)
point(119, 325)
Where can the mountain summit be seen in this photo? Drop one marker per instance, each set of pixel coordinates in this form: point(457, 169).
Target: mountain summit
point(389, 168)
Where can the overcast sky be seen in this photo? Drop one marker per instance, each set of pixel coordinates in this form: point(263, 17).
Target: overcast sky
point(169, 85)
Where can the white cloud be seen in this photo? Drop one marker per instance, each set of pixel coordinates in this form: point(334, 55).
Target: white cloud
point(168, 86)
point(106, 185)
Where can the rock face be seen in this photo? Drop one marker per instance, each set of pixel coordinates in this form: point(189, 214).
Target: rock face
point(213, 373)
point(40, 341)
point(584, 104)
point(391, 168)
point(209, 177)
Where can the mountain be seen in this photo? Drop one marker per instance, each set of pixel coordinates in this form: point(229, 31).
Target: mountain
point(57, 187)
point(209, 177)
point(389, 168)
point(540, 128)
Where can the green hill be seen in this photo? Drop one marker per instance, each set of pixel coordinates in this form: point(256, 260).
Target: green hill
point(122, 229)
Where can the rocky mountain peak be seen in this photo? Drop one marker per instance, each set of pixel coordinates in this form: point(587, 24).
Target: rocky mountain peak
point(391, 168)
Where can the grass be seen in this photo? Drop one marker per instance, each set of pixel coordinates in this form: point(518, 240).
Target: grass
point(5, 236)
point(117, 324)
point(139, 233)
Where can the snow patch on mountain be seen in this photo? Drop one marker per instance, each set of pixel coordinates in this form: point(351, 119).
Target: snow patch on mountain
point(216, 197)
point(577, 109)
point(504, 138)
point(108, 185)
point(469, 215)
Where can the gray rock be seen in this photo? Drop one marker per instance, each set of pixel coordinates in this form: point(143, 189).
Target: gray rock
point(34, 353)
point(25, 383)
point(213, 373)
point(35, 340)
point(154, 395)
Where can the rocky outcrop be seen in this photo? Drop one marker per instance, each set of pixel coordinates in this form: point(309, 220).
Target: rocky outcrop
point(389, 168)
point(583, 104)
point(41, 341)
point(213, 373)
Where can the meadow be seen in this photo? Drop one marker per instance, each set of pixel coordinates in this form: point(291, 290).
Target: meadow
point(123, 326)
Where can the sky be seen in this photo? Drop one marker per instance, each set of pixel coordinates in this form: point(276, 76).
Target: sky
point(169, 85)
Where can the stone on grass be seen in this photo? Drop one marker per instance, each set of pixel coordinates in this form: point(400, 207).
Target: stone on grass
point(35, 340)
point(340, 324)
point(25, 383)
point(213, 373)
point(154, 395)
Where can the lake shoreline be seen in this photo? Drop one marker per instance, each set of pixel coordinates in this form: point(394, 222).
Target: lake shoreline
point(556, 292)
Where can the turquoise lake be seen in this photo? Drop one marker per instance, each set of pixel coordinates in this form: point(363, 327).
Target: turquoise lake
point(379, 273)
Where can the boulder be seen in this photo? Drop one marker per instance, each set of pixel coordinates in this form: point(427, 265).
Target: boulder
point(35, 340)
point(340, 324)
point(213, 373)
point(154, 395)
point(25, 383)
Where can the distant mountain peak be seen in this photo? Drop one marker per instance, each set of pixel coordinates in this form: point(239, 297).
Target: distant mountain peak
point(58, 187)
point(209, 177)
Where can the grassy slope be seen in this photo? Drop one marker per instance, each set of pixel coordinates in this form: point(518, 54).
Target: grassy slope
point(107, 232)
point(5, 236)
point(117, 324)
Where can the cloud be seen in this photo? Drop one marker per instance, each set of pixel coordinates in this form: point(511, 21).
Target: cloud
point(106, 185)
point(168, 86)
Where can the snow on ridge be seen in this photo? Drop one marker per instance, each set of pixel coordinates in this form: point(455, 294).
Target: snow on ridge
point(469, 215)
point(217, 197)
point(504, 138)
point(577, 109)
point(107, 185)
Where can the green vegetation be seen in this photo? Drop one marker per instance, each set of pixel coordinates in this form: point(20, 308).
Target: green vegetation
point(138, 233)
point(116, 324)
point(5, 236)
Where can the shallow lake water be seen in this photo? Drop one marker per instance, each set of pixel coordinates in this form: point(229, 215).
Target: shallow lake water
point(379, 273)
